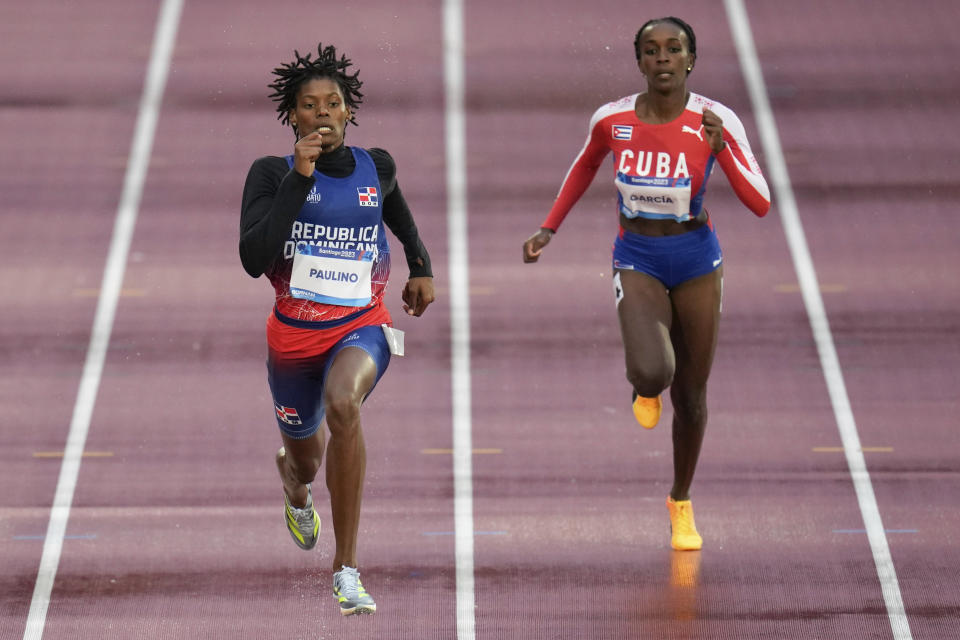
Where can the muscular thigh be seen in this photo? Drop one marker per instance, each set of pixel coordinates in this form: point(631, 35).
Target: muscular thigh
point(644, 311)
point(356, 364)
point(352, 375)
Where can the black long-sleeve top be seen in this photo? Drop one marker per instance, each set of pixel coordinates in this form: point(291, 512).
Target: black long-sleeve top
point(274, 194)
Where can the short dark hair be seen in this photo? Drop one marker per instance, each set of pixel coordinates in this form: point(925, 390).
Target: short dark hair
point(292, 75)
point(687, 29)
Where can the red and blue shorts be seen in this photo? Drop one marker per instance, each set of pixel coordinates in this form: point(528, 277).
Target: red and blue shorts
point(297, 380)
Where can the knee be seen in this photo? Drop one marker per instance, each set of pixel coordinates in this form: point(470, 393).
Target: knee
point(649, 379)
point(343, 412)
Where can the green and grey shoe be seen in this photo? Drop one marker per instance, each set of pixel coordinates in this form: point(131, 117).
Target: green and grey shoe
point(303, 524)
point(350, 594)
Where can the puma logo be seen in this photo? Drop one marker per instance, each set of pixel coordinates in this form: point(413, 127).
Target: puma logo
point(696, 132)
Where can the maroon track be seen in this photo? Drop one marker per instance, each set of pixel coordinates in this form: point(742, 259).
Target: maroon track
point(176, 530)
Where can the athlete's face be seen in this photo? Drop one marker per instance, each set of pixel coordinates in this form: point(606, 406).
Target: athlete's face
point(665, 57)
point(320, 107)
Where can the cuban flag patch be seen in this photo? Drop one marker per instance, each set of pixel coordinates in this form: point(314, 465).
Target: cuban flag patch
point(367, 196)
point(288, 415)
point(622, 132)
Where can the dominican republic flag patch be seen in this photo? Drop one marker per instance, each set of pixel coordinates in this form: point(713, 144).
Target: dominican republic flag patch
point(622, 132)
point(288, 414)
point(367, 196)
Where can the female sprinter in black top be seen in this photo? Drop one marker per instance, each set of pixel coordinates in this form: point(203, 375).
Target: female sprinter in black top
point(313, 222)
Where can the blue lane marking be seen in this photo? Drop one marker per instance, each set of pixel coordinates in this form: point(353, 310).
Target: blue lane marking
point(476, 533)
point(82, 536)
point(885, 530)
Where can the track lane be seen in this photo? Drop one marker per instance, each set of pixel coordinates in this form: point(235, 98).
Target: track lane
point(66, 122)
point(187, 511)
point(769, 502)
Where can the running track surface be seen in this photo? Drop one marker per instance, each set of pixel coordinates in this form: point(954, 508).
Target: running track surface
point(176, 530)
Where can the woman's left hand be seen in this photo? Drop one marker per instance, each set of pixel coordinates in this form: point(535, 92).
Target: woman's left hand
point(713, 128)
point(417, 295)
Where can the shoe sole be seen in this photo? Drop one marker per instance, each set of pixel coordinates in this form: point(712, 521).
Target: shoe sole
point(359, 610)
point(677, 547)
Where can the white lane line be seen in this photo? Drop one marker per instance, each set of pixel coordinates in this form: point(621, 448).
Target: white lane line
point(803, 264)
point(456, 156)
point(124, 223)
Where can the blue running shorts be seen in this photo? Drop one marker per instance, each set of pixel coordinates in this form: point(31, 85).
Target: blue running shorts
point(297, 383)
point(670, 259)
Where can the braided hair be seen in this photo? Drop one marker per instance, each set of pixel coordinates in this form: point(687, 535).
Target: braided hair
point(687, 29)
point(292, 75)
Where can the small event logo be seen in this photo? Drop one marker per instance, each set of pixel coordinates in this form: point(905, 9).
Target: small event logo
point(367, 196)
point(622, 132)
point(314, 195)
point(288, 414)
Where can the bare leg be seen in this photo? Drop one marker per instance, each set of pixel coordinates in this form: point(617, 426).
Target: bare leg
point(350, 379)
point(696, 319)
point(645, 317)
point(298, 462)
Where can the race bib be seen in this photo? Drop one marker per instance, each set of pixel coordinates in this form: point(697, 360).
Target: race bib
point(656, 198)
point(332, 276)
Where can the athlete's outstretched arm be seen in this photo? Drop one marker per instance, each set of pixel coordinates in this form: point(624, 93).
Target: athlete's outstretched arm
point(575, 183)
point(418, 292)
point(579, 176)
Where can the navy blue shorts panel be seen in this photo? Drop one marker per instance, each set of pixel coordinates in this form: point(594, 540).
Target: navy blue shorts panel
point(297, 384)
point(670, 259)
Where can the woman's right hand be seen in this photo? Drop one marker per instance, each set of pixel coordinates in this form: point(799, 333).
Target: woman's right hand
point(534, 245)
point(306, 152)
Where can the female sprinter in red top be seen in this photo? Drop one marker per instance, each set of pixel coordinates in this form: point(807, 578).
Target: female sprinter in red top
point(667, 263)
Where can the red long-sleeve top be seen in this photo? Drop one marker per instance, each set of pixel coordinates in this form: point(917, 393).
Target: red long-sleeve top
point(662, 159)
